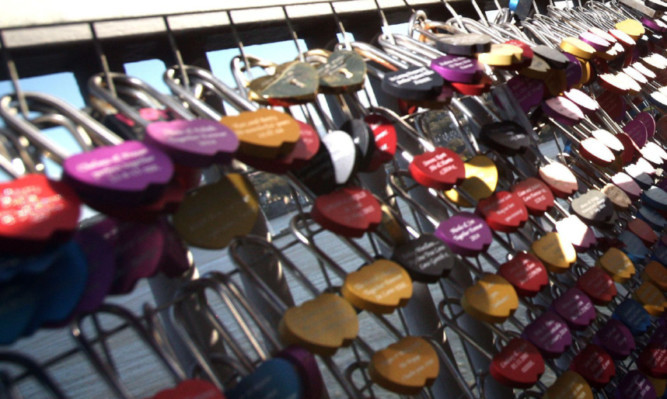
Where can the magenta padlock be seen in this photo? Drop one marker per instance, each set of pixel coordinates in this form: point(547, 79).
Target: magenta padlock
point(455, 68)
point(130, 173)
point(465, 233)
point(576, 308)
point(549, 333)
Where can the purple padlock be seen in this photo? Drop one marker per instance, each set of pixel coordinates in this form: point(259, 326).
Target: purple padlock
point(576, 308)
point(196, 143)
point(455, 68)
point(465, 234)
point(637, 132)
point(635, 385)
point(549, 333)
point(583, 100)
point(616, 338)
point(573, 71)
point(131, 173)
point(528, 92)
point(648, 121)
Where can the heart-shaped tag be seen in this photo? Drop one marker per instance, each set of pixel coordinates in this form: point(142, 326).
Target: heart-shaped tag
point(608, 139)
point(440, 169)
point(635, 385)
point(549, 333)
point(196, 143)
point(294, 82)
point(633, 315)
point(380, 287)
point(555, 252)
point(563, 110)
point(481, 180)
point(466, 44)
point(656, 198)
point(652, 298)
point(191, 389)
point(304, 150)
point(306, 365)
point(344, 154)
point(617, 264)
point(491, 299)
point(528, 92)
point(616, 338)
point(60, 287)
point(596, 152)
point(637, 132)
point(519, 364)
point(385, 140)
point(264, 133)
point(34, 211)
point(627, 184)
point(321, 325)
point(617, 196)
point(503, 211)
point(642, 230)
point(507, 137)
point(203, 220)
point(635, 74)
point(535, 195)
point(569, 385)
point(349, 211)
point(633, 246)
point(613, 104)
point(130, 173)
point(593, 207)
point(653, 218)
point(526, 274)
point(653, 154)
point(405, 367)
point(457, 68)
point(653, 360)
point(552, 56)
point(18, 303)
point(657, 274)
point(274, 378)
point(465, 233)
point(577, 47)
point(595, 365)
point(344, 72)
point(579, 234)
point(587, 104)
point(575, 308)
point(559, 178)
point(597, 285)
point(426, 259)
point(416, 83)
